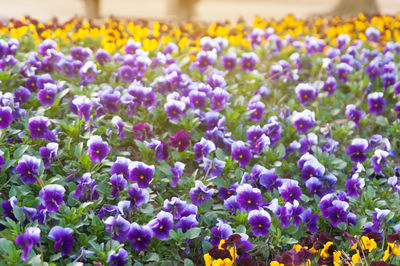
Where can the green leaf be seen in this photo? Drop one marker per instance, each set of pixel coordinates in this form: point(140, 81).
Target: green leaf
point(206, 206)
point(206, 246)
point(220, 154)
point(55, 257)
point(78, 150)
point(193, 233)
point(8, 164)
point(339, 164)
point(36, 261)
point(20, 151)
point(280, 151)
point(19, 213)
point(6, 246)
point(188, 262)
point(152, 257)
point(241, 229)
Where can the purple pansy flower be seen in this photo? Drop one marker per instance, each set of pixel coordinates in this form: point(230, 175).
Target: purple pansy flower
point(241, 153)
point(273, 130)
point(249, 198)
point(110, 100)
point(220, 231)
point(354, 185)
point(372, 34)
point(2, 161)
point(126, 73)
point(174, 109)
point(202, 149)
point(27, 240)
point(142, 174)
point(397, 110)
point(303, 121)
point(117, 227)
point(48, 153)
point(47, 95)
point(98, 149)
point(180, 140)
point(27, 167)
point(118, 183)
point(5, 117)
point(62, 238)
point(268, 179)
point(81, 106)
point(311, 168)
point(102, 56)
point(248, 61)
point(86, 189)
point(290, 190)
point(121, 166)
point(337, 212)
point(38, 126)
point(258, 109)
point(219, 97)
point(142, 131)
point(186, 223)
point(137, 196)
point(8, 208)
point(161, 225)
point(174, 206)
point(228, 61)
point(294, 210)
point(177, 172)
point(310, 220)
point(140, 236)
point(160, 149)
point(280, 211)
point(330, 85)
point(197, 99)
point(51, 196)
point(131, 46)
point(213, 168)
point(376, 102)
point(379, 160)
point(200, 193)
point(356, 150)
point(21, 95)
point(353, 114)
point(89, 71)
point(342, 71)
point(118, 259)
point(205, 59)
point(119, 125)
point(260, 222)
point(306, 92)
point(232, 204)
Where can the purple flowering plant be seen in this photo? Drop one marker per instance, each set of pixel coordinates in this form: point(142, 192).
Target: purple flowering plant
point(141, 155)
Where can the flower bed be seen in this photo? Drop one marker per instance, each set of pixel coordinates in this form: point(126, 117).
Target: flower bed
point(156, 143)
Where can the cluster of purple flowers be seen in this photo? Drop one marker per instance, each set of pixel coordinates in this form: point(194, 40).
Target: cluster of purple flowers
point(157, 123)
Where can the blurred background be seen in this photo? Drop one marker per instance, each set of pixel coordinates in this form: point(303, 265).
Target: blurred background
point(198, 10)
